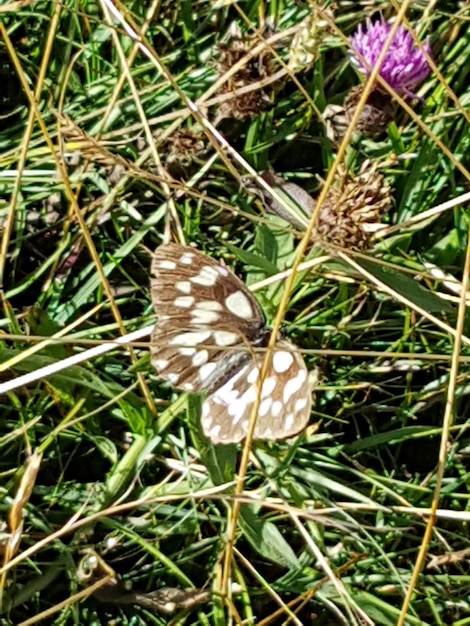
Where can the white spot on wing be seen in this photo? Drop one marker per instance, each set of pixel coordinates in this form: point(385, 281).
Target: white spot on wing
point(239, 407)
point(184, 286)
point(206, 370)
point(188, 386)
point(209, 305)
point(160, 364)
point(173, 378)
point(300, 404)
point(187, 258)
point(227, 395)
point(207, 277)
point(184, 302)
point(282, 361)
point(190, 339)
point(237, 410)
point(200, 358)
point(225, 338)
point(269, 385)
point(289, 421)
point(238, 304)
point(204, 317)
point(214, 432)
point(253, 375)
point(294, 384)
point(264, 407)
point(187, 351)
point(276, 408)
point(165, 264)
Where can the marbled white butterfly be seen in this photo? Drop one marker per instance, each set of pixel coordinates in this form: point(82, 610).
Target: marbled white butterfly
point(208, 329)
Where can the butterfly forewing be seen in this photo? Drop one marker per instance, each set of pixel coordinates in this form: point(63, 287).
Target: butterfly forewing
point(206, 318)
point(206, 338)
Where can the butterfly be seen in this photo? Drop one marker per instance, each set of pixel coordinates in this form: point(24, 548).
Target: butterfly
point(207, 338)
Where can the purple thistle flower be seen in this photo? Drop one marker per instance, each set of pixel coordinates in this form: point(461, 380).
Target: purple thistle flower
point(404, 65)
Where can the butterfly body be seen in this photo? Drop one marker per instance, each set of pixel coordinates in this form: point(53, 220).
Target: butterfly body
point(208, 337)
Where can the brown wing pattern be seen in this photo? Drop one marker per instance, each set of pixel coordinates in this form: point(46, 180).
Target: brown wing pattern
point(205, 314)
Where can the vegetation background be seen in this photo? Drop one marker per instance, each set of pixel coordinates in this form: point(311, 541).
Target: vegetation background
point(113, 509)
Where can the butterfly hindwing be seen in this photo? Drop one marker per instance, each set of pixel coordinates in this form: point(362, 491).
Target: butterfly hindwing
point(285, 399)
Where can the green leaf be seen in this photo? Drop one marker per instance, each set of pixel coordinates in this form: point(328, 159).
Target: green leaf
point(393, 437)
point(248, 258)
point(41, 324)
point(382, 612)
point(266, 539)
point(408, 287)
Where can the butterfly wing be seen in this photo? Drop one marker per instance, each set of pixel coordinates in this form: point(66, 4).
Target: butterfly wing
point(285, 404)
point(207, 319)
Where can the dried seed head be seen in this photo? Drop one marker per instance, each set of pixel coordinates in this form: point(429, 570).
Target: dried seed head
point(353, 208)
point(183, 149)
point(255, 69)
point(375, 116)
point(373, 121)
